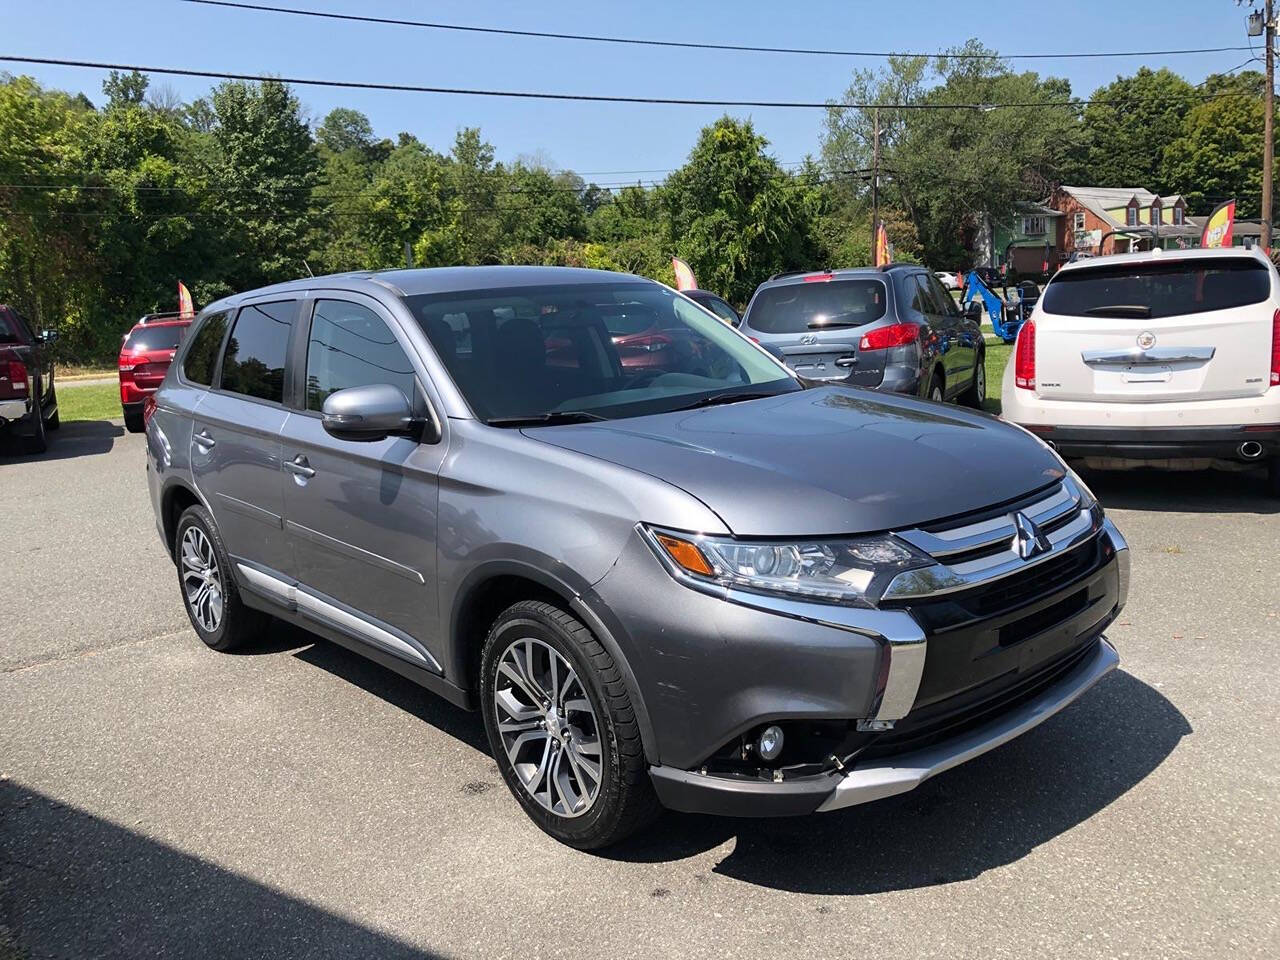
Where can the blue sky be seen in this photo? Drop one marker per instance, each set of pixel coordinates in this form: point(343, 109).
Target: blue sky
point(597, 138)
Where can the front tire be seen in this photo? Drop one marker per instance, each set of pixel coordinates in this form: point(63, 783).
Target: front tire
point(209, 592)
point(55, 421)
point(562, 728)
point(133, 421)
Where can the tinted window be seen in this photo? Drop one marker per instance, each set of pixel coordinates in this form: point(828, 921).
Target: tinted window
point(155, 338)
point(202, 355)
point(253, 364)
point(797, 307)
point(719, 308)
point(945, 301)
point(1157, 289)
point(611, 349)
point(8, 328)
point(350, 346)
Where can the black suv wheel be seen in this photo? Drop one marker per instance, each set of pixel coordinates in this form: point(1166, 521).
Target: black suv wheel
point(562, 728)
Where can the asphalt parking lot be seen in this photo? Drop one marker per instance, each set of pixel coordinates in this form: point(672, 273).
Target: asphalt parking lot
point(157, 798)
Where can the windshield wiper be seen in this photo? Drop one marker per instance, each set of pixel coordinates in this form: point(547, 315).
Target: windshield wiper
point(547, 419)
point(1121, 310)
point(714, 399)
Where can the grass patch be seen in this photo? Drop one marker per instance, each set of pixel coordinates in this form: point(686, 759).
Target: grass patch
point(75, 371)
point(998, 353)
point(99, 402)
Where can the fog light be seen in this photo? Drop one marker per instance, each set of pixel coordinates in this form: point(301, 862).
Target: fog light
point(769, 746)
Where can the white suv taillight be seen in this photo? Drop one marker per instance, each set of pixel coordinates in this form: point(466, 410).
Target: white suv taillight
point(1024, 361)
point(1275, 348)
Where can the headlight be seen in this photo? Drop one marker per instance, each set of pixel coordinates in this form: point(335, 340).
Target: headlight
point(855, 570)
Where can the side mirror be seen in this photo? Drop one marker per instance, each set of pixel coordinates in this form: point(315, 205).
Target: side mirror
point(973, 311)
point(368, 413)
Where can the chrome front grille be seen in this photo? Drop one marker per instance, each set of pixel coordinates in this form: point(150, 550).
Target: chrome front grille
point(971, 554)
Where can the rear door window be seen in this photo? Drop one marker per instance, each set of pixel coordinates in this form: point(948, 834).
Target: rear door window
point(1155, 290)
point(253, 363)
point(202, 355)
point(798, 307)
point(155, 338)
point(351, 346)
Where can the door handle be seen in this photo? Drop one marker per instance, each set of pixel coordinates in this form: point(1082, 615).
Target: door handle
point(300, 467)
point(846, 361)
point(203, 440)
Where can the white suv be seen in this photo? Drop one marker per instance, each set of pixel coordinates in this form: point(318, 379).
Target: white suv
point(1161, 358)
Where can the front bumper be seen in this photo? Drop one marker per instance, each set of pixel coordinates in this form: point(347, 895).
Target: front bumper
point(877, 779)
point(1163, 443)
point(706, 670)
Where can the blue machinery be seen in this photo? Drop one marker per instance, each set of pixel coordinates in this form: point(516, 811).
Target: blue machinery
point(1007, 316)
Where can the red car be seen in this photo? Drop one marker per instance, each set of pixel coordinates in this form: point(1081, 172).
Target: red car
point(145, 356)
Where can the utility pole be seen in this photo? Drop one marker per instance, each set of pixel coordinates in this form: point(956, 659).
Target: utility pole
point(875, 179)
point(1267, 148)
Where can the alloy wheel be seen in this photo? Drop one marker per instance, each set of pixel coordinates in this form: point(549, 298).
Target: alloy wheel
point(548, 727)
point(201, 579)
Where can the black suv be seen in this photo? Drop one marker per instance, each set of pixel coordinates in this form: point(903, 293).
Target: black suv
point(28, 402)
point(891, 328)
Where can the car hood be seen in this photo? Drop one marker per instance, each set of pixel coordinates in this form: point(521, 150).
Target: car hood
point(827, 460)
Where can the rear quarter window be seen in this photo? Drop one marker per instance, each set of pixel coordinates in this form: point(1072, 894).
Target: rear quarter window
point(202, 355)
point(1156, 290)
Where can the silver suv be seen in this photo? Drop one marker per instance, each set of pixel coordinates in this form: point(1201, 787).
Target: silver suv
point(674, 576)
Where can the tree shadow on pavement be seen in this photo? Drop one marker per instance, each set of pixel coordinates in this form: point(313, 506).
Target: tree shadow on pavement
point(84, 438)
point(982, 815)
point(74, 885)
point(1195, 491)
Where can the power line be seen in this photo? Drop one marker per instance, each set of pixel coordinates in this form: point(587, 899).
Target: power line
point(603, 98)
point(695, 45)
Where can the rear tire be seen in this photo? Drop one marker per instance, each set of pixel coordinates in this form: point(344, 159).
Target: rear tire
point(935, 392)
point(133, 421)
point(38, 442)
point(976, 395)
point(209, 592)
point(552, 784)
point(1273, 477)
point(55, 421)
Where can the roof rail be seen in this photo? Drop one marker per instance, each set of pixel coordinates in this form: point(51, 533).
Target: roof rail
point(158, 317)
point(896, 266)
point(797, 273)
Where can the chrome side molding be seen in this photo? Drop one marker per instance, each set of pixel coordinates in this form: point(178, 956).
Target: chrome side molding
point(300, 600)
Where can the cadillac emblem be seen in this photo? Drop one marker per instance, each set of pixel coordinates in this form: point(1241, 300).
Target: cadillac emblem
point(1146, 339)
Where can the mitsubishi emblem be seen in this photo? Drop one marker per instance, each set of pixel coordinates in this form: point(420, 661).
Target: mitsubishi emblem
point(1028, 540)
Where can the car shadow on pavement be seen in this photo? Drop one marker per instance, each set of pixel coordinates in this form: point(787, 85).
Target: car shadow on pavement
point(1196, 491)
point(75, 885)
point(982, 815)
point(84, 438)
point(462, 725)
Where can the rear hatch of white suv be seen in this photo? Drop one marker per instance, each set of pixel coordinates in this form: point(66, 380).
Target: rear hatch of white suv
point(1156, 329)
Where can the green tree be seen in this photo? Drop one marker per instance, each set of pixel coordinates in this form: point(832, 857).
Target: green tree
point(734, 215)
point(1124, 141)
point(1218, 153)
point(344, 129)
point(949, 169)
point(125, 89)
point(263, 169)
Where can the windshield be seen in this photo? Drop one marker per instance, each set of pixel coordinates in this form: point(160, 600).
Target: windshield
point(609, 350)
point(155, 338)
point(799, 307)
point(1154, 290)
